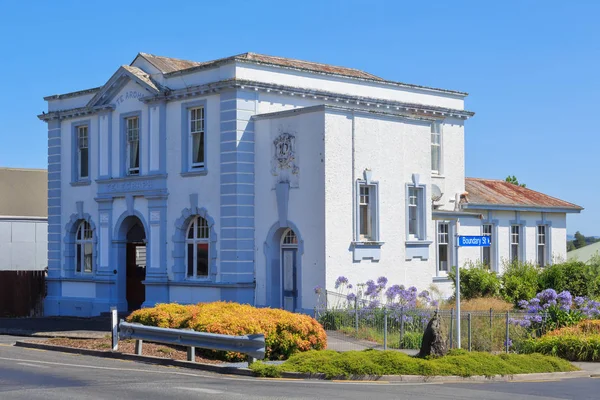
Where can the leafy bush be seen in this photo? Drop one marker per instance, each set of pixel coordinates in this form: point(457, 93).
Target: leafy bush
point(476, 281)
point(574, 276)
point(370, 362)
point(519, 282)
point(285, 333)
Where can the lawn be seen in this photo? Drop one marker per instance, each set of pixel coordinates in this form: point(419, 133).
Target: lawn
point(376, 363)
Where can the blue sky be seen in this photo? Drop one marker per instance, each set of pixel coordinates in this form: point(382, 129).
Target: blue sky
point(531, 68)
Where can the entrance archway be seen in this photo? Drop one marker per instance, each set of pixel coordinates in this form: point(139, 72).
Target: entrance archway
point(132, 260)
point(283, 252)
point(289, 268)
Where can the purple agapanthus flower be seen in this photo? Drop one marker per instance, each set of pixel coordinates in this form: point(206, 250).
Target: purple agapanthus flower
point(340, 281)
point(382, 282)
point(351, 297)
point(318, 289)
point(523, 304)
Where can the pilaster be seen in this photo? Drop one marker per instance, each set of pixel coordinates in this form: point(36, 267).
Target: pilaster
point(237, 186)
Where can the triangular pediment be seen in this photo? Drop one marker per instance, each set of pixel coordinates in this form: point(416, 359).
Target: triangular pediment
point(124, 75)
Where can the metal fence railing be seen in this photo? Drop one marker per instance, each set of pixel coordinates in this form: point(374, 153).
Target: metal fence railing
point(356, 325)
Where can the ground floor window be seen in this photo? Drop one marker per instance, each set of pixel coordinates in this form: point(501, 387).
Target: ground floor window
point(197, 248)
point(84, 248)
point(541, 245)
point(443, 250)
point(486, 252)
point(514, 243)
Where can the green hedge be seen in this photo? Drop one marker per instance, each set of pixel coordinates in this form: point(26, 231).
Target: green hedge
point(572, 348)
point(376, 363)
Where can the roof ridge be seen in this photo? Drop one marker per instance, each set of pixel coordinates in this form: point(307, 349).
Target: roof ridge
point(311, 62)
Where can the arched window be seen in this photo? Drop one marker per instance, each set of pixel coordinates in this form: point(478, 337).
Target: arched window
point(197, 245)
point(84, 248)
point(289, 238)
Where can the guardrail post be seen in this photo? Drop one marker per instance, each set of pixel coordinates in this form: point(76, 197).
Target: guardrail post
point(469, 329)
point(138, 346)
point(385, 327)
point(191, 354)
point(251, 360)
point(114, 325)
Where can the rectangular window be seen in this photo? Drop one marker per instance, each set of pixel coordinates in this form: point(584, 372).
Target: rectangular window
point(436, 148)
point(133, 145)
point(366, 212)
point(82, 152)
point(414, 211)
point(442, 239)
point(514, 243)
point(486, 252)
point(541, 245)
point(196, 118)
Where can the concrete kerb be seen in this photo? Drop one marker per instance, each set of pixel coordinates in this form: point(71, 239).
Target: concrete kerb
point(550, 376)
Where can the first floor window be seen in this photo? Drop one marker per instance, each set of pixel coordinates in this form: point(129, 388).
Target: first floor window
point(196, 118)
point(197, 248)
point(366, 222)
point(486, 252)
point(442, 236)
point(415, 229)
point(84, 248)
point(367, 212)
point(541, 245)
point(82, 152)
point(514, 243)
point(436, 148)
point(133, 145)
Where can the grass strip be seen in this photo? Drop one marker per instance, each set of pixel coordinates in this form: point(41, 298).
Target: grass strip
point(376, 363)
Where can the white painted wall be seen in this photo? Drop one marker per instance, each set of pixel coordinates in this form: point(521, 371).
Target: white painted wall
point(306, 203)
point(23, 245)
point(207, 187)
point(556, 237)
point(346, 85)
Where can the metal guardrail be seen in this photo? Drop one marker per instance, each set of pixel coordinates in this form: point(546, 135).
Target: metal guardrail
point(251, 345)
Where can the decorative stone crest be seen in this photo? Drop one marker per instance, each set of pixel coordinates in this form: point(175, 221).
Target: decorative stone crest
point(285, 152)
point(284, 163)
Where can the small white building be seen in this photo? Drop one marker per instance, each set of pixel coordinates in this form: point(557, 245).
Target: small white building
point(255, 179)
point(23, 219)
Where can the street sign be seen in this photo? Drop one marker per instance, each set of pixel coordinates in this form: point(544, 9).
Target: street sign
point(474, 241)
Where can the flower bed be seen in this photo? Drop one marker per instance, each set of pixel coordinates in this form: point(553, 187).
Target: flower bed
point(576, 343)
point(285, 333)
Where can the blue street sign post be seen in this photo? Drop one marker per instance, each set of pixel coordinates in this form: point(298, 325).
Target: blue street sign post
point(465, 241)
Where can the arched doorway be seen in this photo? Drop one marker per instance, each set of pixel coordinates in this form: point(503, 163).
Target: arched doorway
point(289, 270)
point(132, 260)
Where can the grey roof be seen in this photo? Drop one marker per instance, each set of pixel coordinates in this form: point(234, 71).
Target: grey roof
point(584, 253)
point(23, 192)
point(169, 66)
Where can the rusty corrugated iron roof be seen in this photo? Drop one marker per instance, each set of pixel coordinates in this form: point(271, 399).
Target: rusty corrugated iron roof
point(495, 192)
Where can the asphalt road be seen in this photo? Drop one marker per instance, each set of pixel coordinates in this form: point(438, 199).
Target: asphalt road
point(36, 374)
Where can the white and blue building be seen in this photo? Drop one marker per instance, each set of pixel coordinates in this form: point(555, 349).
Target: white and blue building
point(255, 179)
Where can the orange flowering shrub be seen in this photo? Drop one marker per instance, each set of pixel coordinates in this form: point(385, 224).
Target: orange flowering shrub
point(285, 333)
point(586, 327)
